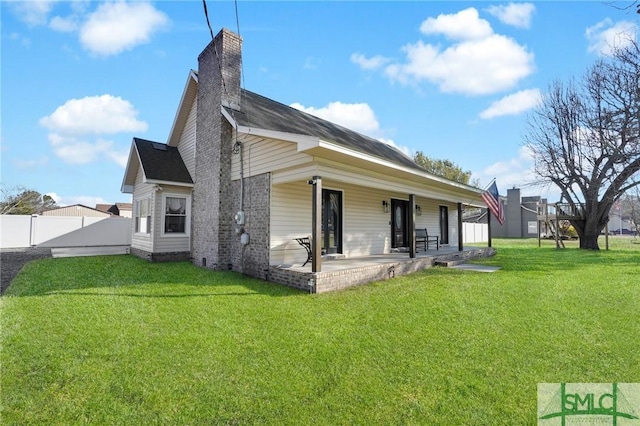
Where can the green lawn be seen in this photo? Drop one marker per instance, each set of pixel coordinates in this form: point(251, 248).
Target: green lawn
point(117, 340)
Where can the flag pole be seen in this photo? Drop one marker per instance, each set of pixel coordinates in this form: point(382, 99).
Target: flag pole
point(488, 210)
point(489, 244)
point(485, 188)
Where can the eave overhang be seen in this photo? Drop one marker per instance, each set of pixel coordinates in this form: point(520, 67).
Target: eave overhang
point(323, 150)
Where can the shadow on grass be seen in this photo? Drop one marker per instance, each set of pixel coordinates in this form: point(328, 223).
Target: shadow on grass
point(129, 276)
point(148, 295)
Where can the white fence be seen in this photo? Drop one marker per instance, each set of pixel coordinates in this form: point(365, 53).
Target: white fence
point(63, 231)
point(475, 233)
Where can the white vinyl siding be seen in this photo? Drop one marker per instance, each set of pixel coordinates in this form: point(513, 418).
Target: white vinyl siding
point(143, 191)
point(366, 228)
point(266, 155)
point(290, 218)
point(366, 225)
point(187, 143)
point(430, 218)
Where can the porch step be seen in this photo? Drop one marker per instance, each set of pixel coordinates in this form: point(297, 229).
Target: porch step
point(333, 256)
point(450, 263)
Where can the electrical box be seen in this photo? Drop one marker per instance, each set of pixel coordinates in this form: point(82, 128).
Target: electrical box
point(239, 218)
point(244, 239)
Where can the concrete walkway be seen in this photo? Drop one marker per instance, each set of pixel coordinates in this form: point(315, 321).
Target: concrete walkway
point(476, 268)
point(88, 251)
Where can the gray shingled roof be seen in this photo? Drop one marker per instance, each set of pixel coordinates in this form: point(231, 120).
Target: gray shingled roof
point(162, 162)
point(264, 113)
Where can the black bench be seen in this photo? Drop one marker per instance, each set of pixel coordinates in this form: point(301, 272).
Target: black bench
point(422, 237)
point(306, 243)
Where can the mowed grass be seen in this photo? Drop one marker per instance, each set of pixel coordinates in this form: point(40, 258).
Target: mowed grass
point(117, 340)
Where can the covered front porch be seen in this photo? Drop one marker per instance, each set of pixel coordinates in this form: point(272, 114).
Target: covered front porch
point(341, 273)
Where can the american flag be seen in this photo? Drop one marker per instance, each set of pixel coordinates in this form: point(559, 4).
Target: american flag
point(492, 199)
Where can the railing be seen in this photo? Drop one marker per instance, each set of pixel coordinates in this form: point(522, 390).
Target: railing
point(562, 210)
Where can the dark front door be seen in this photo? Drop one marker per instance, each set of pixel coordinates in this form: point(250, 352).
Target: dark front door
point(399, 223)
point(331, 221)
point(444, 225)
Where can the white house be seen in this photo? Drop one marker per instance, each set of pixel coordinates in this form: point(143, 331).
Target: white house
point(242, 176)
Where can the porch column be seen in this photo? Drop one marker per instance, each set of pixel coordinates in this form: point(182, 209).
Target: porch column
point(489, 225)
point(316, 224)
point(460, 227)
point(412, 226)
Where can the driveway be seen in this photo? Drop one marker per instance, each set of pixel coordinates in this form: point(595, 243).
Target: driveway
point(12, 261)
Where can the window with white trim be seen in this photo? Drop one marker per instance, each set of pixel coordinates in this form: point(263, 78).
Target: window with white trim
point(143, 216)
point(176, 214)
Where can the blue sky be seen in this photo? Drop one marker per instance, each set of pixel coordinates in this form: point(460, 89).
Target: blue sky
point(454, 80)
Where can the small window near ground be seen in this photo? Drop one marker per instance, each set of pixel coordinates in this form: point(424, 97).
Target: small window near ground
point(143, 216)
point(175, 219)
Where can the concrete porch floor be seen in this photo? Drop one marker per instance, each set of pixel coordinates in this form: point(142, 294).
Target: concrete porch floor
point(338, 274)
point(333, 265)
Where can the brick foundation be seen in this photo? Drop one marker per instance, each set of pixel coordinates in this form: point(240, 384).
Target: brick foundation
point(323, 282)
point(176, 256)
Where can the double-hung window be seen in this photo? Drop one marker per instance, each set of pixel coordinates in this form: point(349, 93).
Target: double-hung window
point(175, 214)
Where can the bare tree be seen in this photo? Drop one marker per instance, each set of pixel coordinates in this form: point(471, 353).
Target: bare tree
point(630, 207)
point(585, 139)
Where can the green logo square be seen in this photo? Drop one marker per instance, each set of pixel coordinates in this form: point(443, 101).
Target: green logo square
point(565, 404)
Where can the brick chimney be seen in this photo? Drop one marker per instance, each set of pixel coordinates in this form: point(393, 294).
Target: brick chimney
point(213, 207)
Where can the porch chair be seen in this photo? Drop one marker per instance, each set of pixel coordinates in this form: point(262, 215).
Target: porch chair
point(306, 243)
point(423, 237)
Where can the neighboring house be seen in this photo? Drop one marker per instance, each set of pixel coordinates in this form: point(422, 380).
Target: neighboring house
point(522, 220)
point(520, 213)
point(241, 176)
point(118, 209)
point(76, 210)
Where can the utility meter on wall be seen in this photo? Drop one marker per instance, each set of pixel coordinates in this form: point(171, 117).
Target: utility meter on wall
point(239, 218)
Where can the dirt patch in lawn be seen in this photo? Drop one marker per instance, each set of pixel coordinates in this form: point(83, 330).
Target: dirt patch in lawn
point(12, 261)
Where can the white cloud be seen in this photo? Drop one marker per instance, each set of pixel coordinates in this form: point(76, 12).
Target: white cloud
point(372, 63)
point(85, 200)
point(477, 62)
point(64, 25)
point(77, 151)
point(33, 12)
point(359, 117)
point(513, 104)
point(24, 41)
point(514, 172)
point(114, 26)
point(464, 25)
point(104, 114)
point(515, 14)
point(403, 149)
point(31, 163)
point(120, 157)
point(474, 67)
point(72, 125)
point(606, 36)
point(118, 26)
point(55, 197)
